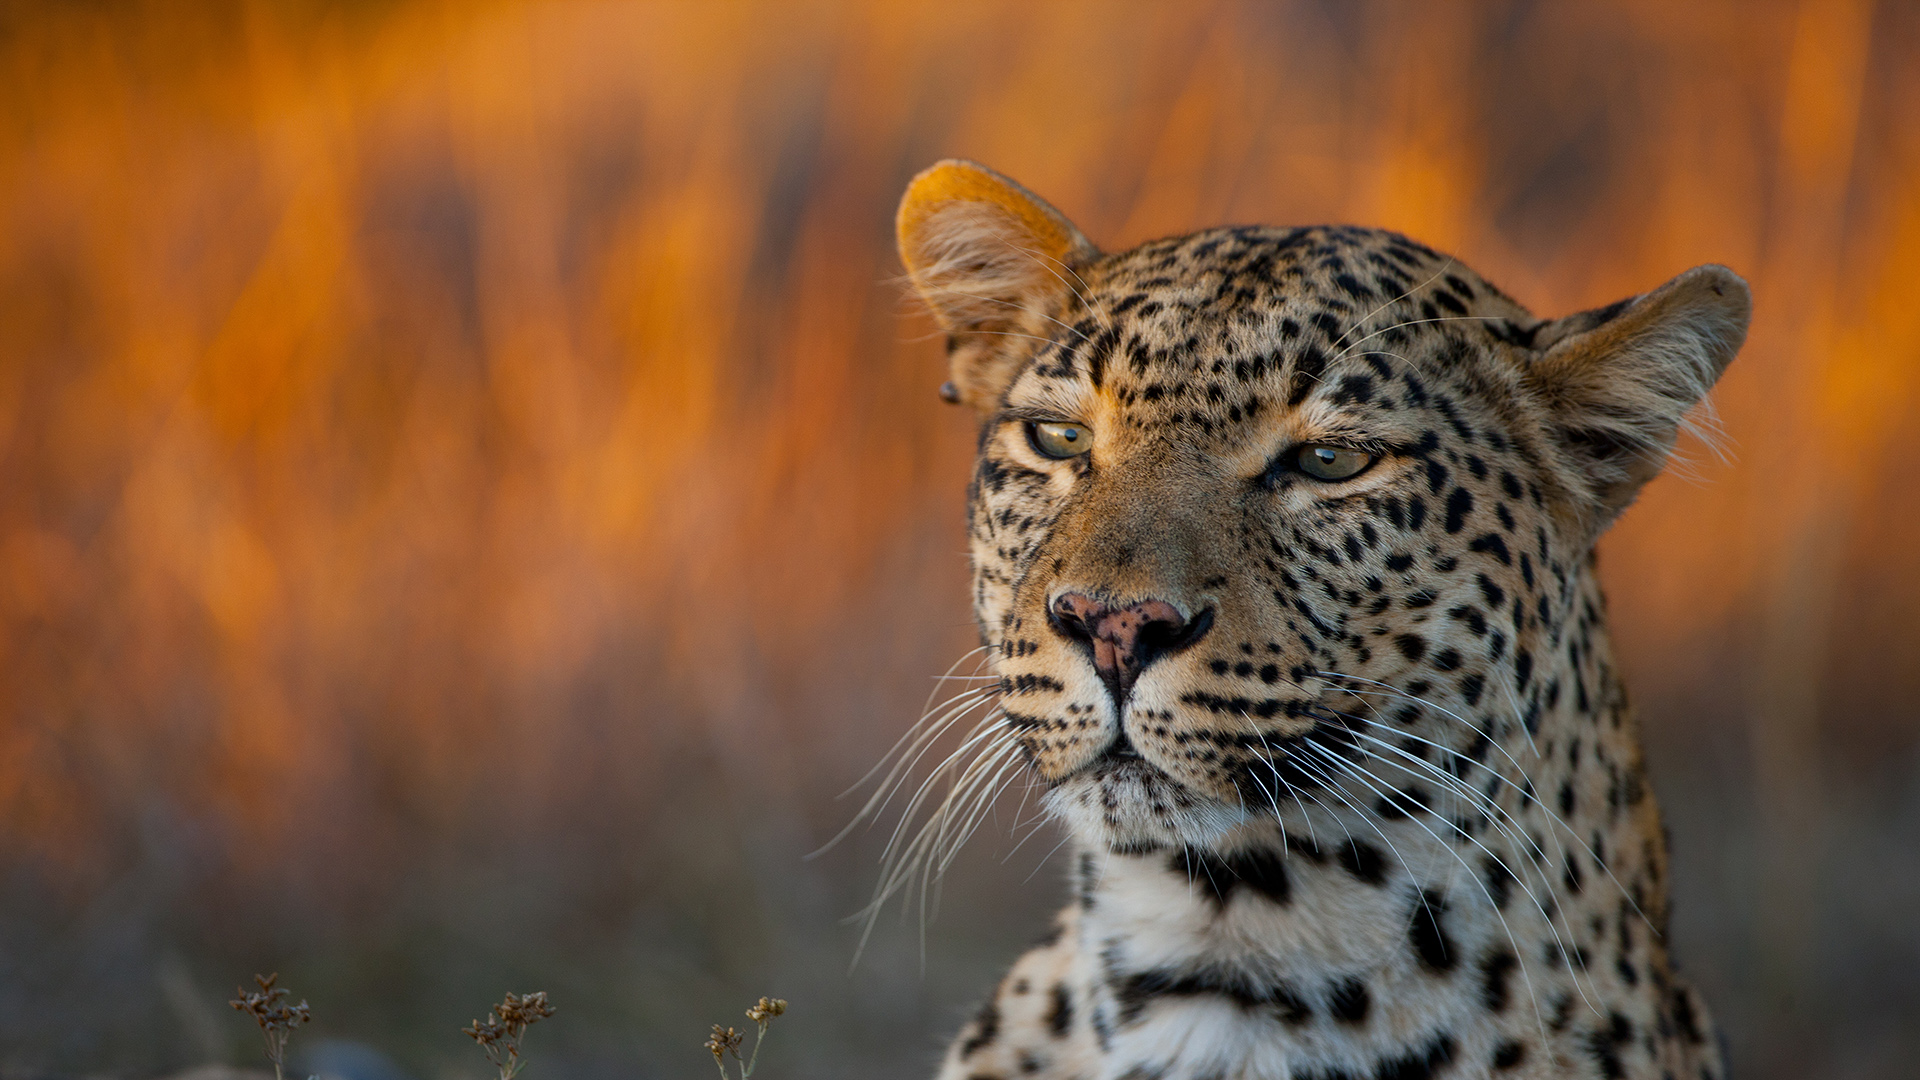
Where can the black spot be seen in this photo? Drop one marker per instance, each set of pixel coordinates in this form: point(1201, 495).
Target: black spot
point(1684, 1016)
point(1353, 287)
point(1428, 936)
point(1494, 972)
point(1459, 505)
point(1305, 847)
point(1493, 545)
point(1446, 659)
point(1218, 876)
point(1398, 563)
point(1102, 1029)
point(1411, 646)
point(1306, 373)
point(986, 1028)
point(1418, 1065)
point(1471, 616)
point(1060, 1012)
point(1349, 1001)
point(1604, 1046)
point(1495, 595)
point(1628, 973)
point(1363, 861)
point(1508, 1054)
point(1354, 389)
point(1471, 688)
point(1135, 992)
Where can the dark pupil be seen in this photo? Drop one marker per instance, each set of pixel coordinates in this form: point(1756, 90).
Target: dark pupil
point(1070, 434)
point(1325, 455)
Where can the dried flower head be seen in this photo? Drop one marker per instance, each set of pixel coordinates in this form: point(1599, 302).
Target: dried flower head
point(726, 1040)
point(500, 1033)
point(766, 1010)
point(276, 1018)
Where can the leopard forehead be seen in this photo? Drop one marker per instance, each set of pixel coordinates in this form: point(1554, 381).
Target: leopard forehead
point(1205, 330)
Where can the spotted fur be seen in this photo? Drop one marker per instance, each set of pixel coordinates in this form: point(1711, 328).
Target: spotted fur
point(1384, 814)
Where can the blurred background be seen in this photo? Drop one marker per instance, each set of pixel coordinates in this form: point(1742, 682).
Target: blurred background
point(472, 490)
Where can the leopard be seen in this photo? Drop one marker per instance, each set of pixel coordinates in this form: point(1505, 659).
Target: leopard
point(1283, 563)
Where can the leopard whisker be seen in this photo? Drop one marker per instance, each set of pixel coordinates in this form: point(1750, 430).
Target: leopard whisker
point(1546, 879)
point(1367, 778)
point(1332, 784)
point(977, 742)
point(968, 808)
point(1528, 792)
point(1047, 263)
point(1418, 322)
point(904, 863)
point(922, 735)
point(927, 710)
point(988, 793)
point(1065, 839)
point(1362, 320)
point(1026, 309)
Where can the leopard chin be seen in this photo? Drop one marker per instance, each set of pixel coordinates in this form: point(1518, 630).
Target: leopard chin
point(1126, 804)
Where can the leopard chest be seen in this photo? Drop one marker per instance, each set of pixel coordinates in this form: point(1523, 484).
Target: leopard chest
point(1326, 955)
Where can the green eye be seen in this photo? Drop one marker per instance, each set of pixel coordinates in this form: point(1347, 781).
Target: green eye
point(1060, 440)
point(1333, 462)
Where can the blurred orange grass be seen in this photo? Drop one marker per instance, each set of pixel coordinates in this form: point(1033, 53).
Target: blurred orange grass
point(369, 371)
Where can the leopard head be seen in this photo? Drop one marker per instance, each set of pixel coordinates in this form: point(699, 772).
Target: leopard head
point(1250, 497)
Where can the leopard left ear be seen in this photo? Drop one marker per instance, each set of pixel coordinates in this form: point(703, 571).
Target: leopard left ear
point(1618, 381)
point(994, 262)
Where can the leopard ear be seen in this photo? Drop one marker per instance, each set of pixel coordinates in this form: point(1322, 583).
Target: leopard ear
point(1619, 380)
point(993, 261)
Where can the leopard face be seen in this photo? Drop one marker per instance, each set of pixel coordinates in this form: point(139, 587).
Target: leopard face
point(1252, 503)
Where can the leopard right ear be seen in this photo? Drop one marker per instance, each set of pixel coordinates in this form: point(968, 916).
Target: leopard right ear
point(1618, 381)
point(994, 262)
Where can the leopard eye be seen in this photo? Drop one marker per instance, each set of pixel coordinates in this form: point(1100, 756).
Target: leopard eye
point(1332, 462)
point(1058, 439)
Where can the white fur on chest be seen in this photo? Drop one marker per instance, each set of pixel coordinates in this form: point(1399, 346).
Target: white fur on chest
point(1204, 978)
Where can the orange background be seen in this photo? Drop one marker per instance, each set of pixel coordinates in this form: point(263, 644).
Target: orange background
point(471, 488)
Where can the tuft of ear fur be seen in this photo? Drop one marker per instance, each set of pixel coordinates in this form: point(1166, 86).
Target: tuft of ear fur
point(1619, 381)
point(993, 261)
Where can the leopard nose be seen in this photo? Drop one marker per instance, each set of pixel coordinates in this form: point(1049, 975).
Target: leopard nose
point(1125, 639)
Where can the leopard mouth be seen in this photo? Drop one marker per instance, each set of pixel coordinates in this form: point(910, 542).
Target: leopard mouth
point(1273, 763)
point(1121, 759)
point(1132, 805)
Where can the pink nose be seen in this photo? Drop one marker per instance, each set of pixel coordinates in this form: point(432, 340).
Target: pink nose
point(1124, 640)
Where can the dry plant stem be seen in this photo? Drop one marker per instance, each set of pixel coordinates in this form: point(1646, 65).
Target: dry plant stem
point(500, 1033)
point(726, 1040)
point(276, 1019)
